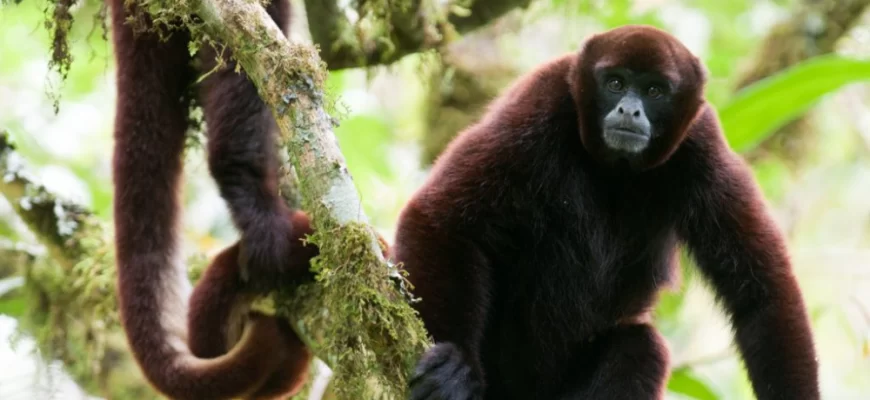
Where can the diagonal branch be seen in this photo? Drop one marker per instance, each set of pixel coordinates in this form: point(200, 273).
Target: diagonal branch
point(59, 224)
point(355, 317)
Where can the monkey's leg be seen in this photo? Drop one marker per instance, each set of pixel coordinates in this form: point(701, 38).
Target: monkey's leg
point(632, 364)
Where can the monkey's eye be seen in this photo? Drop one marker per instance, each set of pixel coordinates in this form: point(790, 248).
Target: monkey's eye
point(654, 92)
point(614, 85)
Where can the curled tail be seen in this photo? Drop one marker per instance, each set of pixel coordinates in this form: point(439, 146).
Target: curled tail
point(219, 302)
point(153, 78)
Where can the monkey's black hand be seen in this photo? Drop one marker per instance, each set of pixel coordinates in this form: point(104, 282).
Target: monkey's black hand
point(443, 374)
point(265, 253)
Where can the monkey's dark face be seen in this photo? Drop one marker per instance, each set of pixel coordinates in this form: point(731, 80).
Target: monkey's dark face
point(631, 105)
point(637, 89)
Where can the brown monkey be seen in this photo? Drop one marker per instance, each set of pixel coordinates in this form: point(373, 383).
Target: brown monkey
point(543, 233)
point(150, 123)
point(545, 230)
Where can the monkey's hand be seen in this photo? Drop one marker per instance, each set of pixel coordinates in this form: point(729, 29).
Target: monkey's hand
point(443, 374)
point(265, 254)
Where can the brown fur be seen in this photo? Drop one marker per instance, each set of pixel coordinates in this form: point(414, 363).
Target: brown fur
point(150, 123)
point(220, 295)
point(537, 251)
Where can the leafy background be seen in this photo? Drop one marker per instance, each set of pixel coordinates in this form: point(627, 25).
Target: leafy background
point(822, 201)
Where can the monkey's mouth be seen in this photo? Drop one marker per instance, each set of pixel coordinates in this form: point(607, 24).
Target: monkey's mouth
point(625, 140)
point(628, 133)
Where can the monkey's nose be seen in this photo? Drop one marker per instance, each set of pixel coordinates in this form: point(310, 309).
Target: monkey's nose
point(630, 107)
point(634, 112)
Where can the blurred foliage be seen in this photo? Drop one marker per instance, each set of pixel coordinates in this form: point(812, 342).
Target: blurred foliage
point(684, 382)
point(759, 109)
point(811, 28)
point(824, 209)
point(11, 301)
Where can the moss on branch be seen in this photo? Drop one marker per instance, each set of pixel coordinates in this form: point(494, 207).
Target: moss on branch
point(388, 30)
point(65, 228)
point(355, 316)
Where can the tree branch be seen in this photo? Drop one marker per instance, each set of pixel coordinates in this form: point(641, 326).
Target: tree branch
point(408, 26)
point(60, 225)
point(355, 317)
point(15, 258)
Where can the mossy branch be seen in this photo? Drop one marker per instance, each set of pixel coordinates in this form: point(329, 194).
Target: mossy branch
point(388, 30)
point(14, 259)
point(355, 317)
point(60, 225)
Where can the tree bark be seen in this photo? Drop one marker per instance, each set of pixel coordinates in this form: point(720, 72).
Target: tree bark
point(355, 317)
point(411, 26)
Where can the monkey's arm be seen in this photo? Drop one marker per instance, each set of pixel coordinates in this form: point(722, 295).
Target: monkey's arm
point(242, 158)
point(741, 252)
point(452, 278)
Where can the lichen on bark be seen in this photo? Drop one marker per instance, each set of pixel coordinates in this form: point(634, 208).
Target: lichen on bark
point(64, 227)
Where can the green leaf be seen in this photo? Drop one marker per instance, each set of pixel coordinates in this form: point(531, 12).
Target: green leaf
point(11, 300)
point(7, 231)
point(13, 306)
point(759, 109)
point(684, 382)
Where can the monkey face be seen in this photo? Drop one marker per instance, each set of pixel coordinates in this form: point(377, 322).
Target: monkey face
point(637, 89)
point(632, 105)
